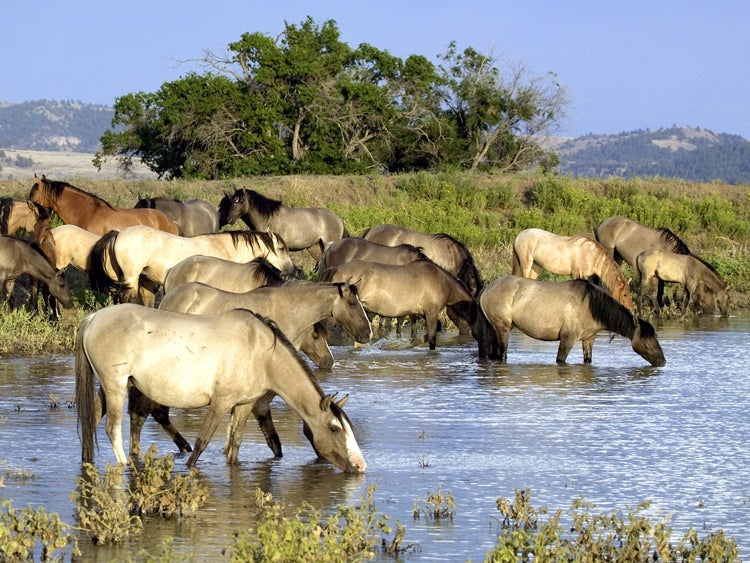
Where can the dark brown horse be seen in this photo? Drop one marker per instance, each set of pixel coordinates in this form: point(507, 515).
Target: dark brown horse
point(88, 211)
point(566, 311)
point(303, 228)
point(625, 239)
point(193, 217)
point(18, 257)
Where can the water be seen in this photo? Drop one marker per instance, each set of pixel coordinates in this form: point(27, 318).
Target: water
point(617, 432)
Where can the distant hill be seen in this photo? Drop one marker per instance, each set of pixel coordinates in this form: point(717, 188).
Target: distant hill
point(679, 152)
point(46, 125)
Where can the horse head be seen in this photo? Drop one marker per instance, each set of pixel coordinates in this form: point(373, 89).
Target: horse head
point(645, 344)
point(232, 207)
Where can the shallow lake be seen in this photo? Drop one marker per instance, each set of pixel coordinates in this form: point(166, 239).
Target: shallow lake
point(616, 432)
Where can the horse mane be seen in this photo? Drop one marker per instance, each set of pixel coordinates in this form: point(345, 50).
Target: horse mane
point(468, 269)
point(265, 206)
point(608, 311)
point(150, 202)
point(266, 273)
point(251, 238)
point(55, 188)
point(712, 269)
point(610, 270)
point(677, 245)
point(279, 336)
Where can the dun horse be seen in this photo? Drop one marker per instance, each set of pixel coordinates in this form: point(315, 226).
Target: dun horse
point(704, 287)
point(566, 311)
point(192, 217)
point(420, 288)
point(88, 211)
point(18, 257)
point(625, 239)
point(303, 228)
point(353, 248)
point(238, 277)
point(73, 246)
point(295, 307)
point(120, 258)
point(19, 214)
point(191, 361)
point(578, 256)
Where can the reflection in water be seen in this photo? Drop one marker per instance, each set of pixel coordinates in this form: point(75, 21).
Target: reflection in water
point(617, 432)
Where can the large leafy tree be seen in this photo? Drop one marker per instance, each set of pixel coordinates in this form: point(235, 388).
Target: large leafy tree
point(307, 102)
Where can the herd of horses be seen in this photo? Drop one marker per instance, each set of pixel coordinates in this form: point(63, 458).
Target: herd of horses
point(230, 325)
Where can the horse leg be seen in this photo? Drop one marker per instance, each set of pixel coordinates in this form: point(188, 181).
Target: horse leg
point(235, 431)
point(588, 345)
point(113, 424)
point(147, 290)
point(659, 293)
point(566, 345)
point(262, 413)
point(161, 415)
point(208, 429)
point(431, 319)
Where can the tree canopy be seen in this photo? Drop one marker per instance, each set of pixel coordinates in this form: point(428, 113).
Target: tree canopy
point(307, 102)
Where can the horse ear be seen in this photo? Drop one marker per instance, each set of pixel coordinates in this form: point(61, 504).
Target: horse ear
point(342, 401)
point(325, 402)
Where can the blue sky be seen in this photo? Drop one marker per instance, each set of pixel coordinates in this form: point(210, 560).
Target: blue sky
point(626, 64)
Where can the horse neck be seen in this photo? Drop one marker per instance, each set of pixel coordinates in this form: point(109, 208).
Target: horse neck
point(609, 313)
point(75, 207)
point(319, 300)
point(37, 265)
point(293, 381)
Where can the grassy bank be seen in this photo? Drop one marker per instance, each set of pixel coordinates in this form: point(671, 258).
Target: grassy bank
point(484, 211)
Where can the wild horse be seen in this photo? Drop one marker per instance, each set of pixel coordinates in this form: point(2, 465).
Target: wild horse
point(120, 259)
point(419, 288)
point(624, 239)
point(88, 211)
point(303, 228)
point(193, 217)
point(191, 361)
point(577, 256)
point(705, 289)
point(566, 311)
point(296, 307)
point(18, 257)
point(237, 277)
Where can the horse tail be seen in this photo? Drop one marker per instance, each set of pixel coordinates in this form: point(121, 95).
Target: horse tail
point(485, 334)
point(87, 420)
point(101, 254)
point(516, 263)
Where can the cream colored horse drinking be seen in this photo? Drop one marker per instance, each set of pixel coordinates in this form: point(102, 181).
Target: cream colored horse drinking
point(577, 256)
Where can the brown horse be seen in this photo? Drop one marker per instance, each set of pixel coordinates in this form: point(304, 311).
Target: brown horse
point(303, 228)
point(18, 257)
point(704, 287)
point(237, 277)
point(578, 256)
point(78, 207)
point(566, 311)
point(419, 288)
point(625, 239)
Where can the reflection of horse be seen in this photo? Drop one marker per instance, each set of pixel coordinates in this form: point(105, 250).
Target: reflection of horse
point(191, 361)
point(295, 307)
point(192, 217)
point(419, 288)
point(19, 214)
point(78, 207)
point(18, 257)
point(566, 311)
point(577, 256)
point(625, 239)
point(222, 274)
point(354, 248)
point(302, 228)
point(120, 258)
point(704, 287)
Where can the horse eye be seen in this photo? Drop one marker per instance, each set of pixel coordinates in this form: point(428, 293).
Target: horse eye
point(334, 428)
